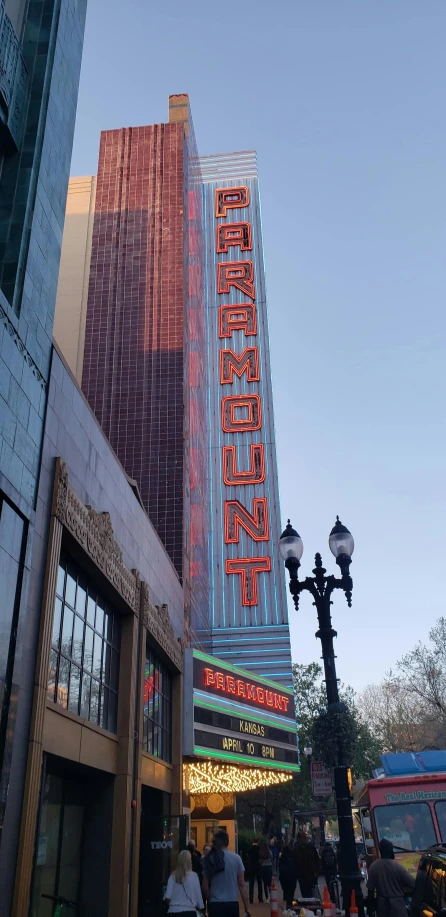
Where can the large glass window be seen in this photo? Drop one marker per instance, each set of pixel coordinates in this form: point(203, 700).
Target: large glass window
point(409, 827)
point(440, 809)
point(157, 738)
point(86, 641)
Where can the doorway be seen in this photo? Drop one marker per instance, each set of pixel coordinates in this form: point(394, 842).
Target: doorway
point(72, 858)
point(162, 837)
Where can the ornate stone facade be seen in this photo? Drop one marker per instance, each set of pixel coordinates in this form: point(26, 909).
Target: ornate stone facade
point(94, 532)
point(156, 620)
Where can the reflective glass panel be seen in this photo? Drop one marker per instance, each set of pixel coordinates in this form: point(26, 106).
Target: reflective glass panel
point(82, 652)
point(409, 826)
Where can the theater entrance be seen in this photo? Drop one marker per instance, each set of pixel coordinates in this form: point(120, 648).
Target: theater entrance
point(162, 837)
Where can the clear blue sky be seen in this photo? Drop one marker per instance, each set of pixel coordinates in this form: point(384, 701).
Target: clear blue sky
point(344, 101)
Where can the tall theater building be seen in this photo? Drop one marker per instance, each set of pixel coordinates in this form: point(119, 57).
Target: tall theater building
point(162, 317)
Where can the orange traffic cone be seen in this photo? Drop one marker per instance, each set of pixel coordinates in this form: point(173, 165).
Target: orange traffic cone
point(326, 902)
point(274, 904)
point(353, 906)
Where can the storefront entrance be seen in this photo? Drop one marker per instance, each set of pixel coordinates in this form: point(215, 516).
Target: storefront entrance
point(74, 840)
point(162, 837)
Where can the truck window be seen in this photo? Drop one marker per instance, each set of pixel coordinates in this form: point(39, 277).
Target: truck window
point(409, 826)
point(440, 809)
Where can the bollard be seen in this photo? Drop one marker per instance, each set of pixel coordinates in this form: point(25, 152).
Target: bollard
point(274, 904)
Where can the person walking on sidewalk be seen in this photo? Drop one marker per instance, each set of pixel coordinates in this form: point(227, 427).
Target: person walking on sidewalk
point(224, 879)
point(329, 866)
point(254, 871)
point(275, 851)
point(307, 863)
point(183, 893)
point(196, 859)
point(388, 879)
point(287, 875)
point(266, 867)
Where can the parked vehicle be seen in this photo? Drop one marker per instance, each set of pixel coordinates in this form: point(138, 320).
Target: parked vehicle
point(406, 805)
point(429, 895)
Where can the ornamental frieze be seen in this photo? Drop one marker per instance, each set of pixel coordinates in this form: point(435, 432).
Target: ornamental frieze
point(157, 621)
point(94, 532)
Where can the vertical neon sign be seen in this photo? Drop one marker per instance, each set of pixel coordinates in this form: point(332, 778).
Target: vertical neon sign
point(247, 596)
point(240, 413)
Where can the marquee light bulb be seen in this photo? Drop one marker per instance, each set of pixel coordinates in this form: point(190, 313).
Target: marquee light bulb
point(210, 777)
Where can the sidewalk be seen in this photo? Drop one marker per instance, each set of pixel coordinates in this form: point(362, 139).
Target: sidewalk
point(263, 909)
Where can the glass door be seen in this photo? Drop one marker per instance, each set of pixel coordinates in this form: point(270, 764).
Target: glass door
point(162, 838)
point(59, 844)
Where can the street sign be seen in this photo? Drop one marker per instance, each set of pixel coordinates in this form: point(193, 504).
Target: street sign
point(321, 779)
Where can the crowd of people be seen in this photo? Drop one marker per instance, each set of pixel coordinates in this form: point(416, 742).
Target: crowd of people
point(216, 878)
point(295, 862)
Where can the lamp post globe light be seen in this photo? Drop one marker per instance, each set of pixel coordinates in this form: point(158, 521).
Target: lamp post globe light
point(321, 588)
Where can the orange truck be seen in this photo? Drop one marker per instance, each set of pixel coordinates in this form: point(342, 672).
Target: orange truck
point(406, 804)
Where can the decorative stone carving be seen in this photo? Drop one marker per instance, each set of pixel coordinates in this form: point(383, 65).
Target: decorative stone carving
point(157, 621)
point(94, 532)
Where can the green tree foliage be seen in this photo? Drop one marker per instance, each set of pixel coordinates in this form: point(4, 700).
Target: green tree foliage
point(315, 729)
point(318, 726)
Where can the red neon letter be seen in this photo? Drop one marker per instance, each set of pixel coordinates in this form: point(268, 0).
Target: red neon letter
point(233, 423)
point(220, 681)
point(228, 198)
point(235, 318)
point(256, 473)
point(239, 274)
point(234, 234)
point(208, 677)
point(256, 525)
point(239, 363)
point(240, 688)
point(230, 684)
point(248, 568)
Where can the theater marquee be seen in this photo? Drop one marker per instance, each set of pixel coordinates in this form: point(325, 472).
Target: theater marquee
point(235, 716)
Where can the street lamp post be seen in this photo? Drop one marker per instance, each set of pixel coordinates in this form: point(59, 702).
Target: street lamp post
point(321, 587)
point(308, 752)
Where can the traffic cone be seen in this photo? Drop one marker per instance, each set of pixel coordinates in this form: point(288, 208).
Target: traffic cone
point(273, 902)
point(326, 902)
point(353, 907)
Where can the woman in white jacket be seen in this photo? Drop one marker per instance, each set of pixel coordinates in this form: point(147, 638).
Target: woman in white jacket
point(183, 892)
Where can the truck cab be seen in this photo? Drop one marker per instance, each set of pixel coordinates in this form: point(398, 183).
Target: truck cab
point(407, 805)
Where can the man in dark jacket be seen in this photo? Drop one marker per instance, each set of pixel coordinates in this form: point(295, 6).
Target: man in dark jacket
point(329, 866)
point(307, 863)
point(254, 871)
point(388, 880)
point(196, 860)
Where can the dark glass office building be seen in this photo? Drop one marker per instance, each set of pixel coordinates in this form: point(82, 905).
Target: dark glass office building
point(40, 56)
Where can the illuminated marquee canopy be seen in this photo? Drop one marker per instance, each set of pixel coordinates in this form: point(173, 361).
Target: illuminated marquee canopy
point(236, 717)
point(210, 777)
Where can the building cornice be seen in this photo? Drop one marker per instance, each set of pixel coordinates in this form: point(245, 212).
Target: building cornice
point(157, 621)
point(94, 532)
